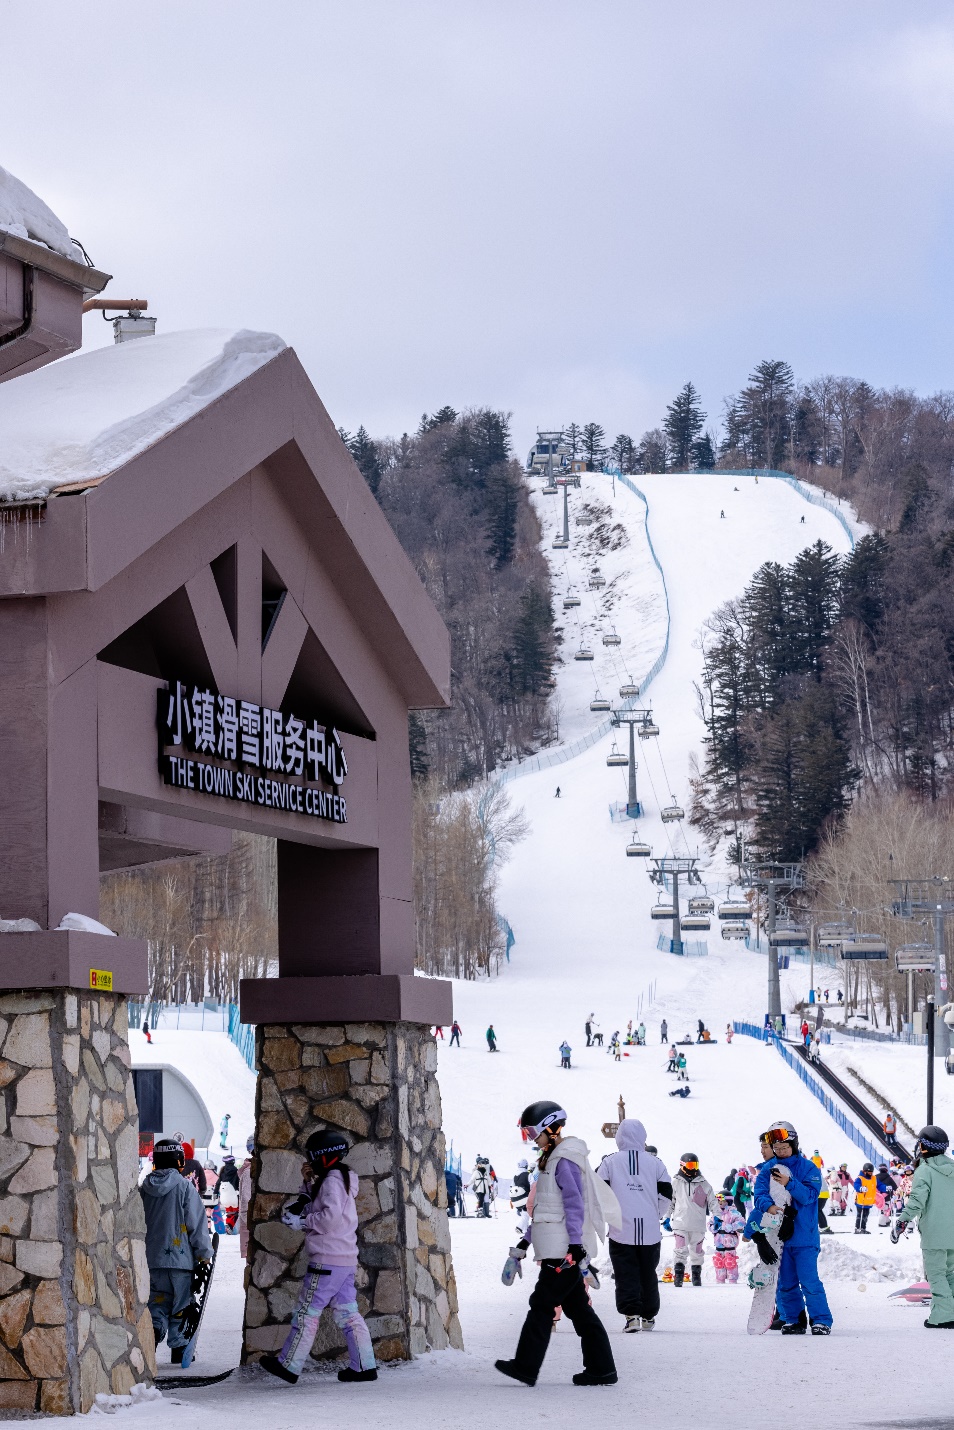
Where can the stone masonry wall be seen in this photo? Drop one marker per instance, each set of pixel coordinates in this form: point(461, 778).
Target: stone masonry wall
point(73, 1277)
point(377, 1083)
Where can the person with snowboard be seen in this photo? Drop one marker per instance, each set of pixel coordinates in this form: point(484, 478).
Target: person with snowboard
point(520, 1194)
point(643, 1188)
point(224, 1131)
point(568, 1223)
point(491, 1039)
point(325, 1211)
point(693, 1201)
point(930, 1203)
point(177, 1239)
point(799, 1287)
point(726, 1227)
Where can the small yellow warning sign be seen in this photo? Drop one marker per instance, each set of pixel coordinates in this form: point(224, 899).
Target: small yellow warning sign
point(101, 979)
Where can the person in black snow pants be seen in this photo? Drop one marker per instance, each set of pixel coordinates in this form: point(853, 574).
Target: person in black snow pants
point(567, 1226)
point(664, 1031)
point(643, 1189)
point(455, 1034)
point(491, 1039)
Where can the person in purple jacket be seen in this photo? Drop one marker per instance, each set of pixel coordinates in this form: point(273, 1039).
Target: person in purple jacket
point(567, 1224)
point(325, 1210)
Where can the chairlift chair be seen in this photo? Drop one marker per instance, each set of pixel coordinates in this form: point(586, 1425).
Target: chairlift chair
point(596, 581)
point(833, 935)
point(628, 691)
point(672, 813)
point(611, 638)
point(865, 946)
point(638, 849)
point(663, 911)
point(584, 653)
point(569, 601)
point(915, 958)
point(600, 703)
point(695, 923)
point(550, 489)
point(788, 936)
point(616, 758)
point(730, 931)
point(647, 730)
point(560, 543)
point(701, 904)
point(733, 910)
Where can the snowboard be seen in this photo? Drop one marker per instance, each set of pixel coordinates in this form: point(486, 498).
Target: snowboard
point(192, 1320)
point(764, 1279)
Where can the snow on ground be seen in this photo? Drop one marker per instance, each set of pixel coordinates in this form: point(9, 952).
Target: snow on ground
point(580, 911)
point(85, 416)
point(25, 215)
point(216, 1069)
point(897, 1072)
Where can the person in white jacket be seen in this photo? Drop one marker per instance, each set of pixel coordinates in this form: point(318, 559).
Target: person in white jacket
point(643, 1189)
point(693, 1202)
point(568, 1223)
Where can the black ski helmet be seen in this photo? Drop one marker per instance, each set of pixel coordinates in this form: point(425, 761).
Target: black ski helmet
point(168, 1153)
point(867, 1169)
point(324, 1149)
point(542, 1117)
point(932, 1141)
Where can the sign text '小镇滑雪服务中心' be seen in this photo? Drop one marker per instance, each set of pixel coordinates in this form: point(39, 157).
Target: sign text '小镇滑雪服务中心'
point(275, 750)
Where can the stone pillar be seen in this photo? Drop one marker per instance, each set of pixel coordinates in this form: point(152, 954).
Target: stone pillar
point(376, 1082)
point(73, 1277)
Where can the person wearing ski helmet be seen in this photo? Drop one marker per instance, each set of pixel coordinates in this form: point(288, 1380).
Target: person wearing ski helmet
point(325, 1210)
point(799, 1285)
point(693, 1201)
point(930, 1203)
point(866, 1192)
point(177, 1238)
point(568, 1223)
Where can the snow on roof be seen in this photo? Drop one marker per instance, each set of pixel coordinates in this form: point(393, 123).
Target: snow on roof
point(24, 214)
point(85, 416)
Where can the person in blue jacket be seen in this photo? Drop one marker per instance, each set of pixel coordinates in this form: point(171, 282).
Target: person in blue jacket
point(799, 1285)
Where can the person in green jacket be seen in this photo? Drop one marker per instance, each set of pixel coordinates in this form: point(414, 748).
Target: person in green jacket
point(931, 1203)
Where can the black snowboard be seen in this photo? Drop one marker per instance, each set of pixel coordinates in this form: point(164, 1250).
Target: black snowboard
point(192, 1320)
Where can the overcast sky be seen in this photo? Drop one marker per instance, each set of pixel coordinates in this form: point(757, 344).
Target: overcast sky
point(565, 209)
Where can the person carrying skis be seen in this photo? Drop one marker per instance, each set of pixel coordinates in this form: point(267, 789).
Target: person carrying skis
point(177, 1238)
point(491, 1039)
point(455, 1034)
point(693, 1201)
point(325, 1211)
point(799, 1285)
point(568, 1224)
point(726, 1227)
point(930, 1202)
point(565, 1051)
point(643, 1189)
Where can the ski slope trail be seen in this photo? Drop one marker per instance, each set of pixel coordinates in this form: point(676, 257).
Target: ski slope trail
point(580, 909)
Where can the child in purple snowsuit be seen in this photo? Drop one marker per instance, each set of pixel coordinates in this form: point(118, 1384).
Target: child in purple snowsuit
point(326, 1212)
point(726, 1226)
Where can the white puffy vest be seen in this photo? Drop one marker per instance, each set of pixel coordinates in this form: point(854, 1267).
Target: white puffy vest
point(548, 1230)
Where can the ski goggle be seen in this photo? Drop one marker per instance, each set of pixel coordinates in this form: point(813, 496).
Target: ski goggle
point(533, 1130)
point(692, 1166)
point(777, 1134)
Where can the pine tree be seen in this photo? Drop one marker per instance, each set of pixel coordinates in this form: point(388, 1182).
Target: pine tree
point(651, 452)
point(573, 439)
point(624, 452)
point(703, 453)
point(417, 746)
point(593, 443)
point(365, 453)
point(684, 421)
point(532, 641)
point(813, 594)
point(502, 496)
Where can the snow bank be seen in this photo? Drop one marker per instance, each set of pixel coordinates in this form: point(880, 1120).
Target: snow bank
point(24, 214)
point(85, 416)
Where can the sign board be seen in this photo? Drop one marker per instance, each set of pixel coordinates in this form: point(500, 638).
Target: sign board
point(147, 1140)
point(235, 749)
point(610, 1129)
point(101, 979)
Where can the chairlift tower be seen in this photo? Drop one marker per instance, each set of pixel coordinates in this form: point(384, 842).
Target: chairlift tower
point(671, 867)
point(562, 482)
point(930, 898)
point(632, 718)
point(772, 879)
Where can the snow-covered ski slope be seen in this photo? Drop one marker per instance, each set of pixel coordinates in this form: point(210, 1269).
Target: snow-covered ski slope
point(580, 909)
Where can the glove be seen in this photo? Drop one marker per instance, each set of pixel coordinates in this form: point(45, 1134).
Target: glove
point(767, 1254)
point(666, 1225)
point(294, 1211)
point(577, 1253)
point(787, 1228)
point(512, 1268)
point(897, 1231)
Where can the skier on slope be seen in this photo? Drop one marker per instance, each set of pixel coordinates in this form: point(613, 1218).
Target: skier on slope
point(491, 1039)
point(568, 1224)
point(693, 1201)
point(799, 1285)
point(325, 1211)
point(177, 1237)
point(643, 1189)
point(931, 1202)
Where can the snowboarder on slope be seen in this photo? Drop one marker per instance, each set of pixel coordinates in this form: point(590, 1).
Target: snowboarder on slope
point(643, 1189)
point(177, 1236)
point(931, 1202)
point(799, 1285)
point(325, 1211)
point(693, 1201)
point(224, 1130)
point(491, 1039)
point(568, 1224)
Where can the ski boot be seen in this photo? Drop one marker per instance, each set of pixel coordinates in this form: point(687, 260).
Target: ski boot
point(678, 1273)
point(696, 1272)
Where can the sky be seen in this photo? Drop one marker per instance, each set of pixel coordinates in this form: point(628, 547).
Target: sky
point(564, 210)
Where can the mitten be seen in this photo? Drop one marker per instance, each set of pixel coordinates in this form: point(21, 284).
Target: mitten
point(767, 1254)
point(512, 1268)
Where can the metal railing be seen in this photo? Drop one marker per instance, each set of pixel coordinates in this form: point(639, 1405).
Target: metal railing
point(765, 1035)
point(691, 947)
point(242, 1035)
